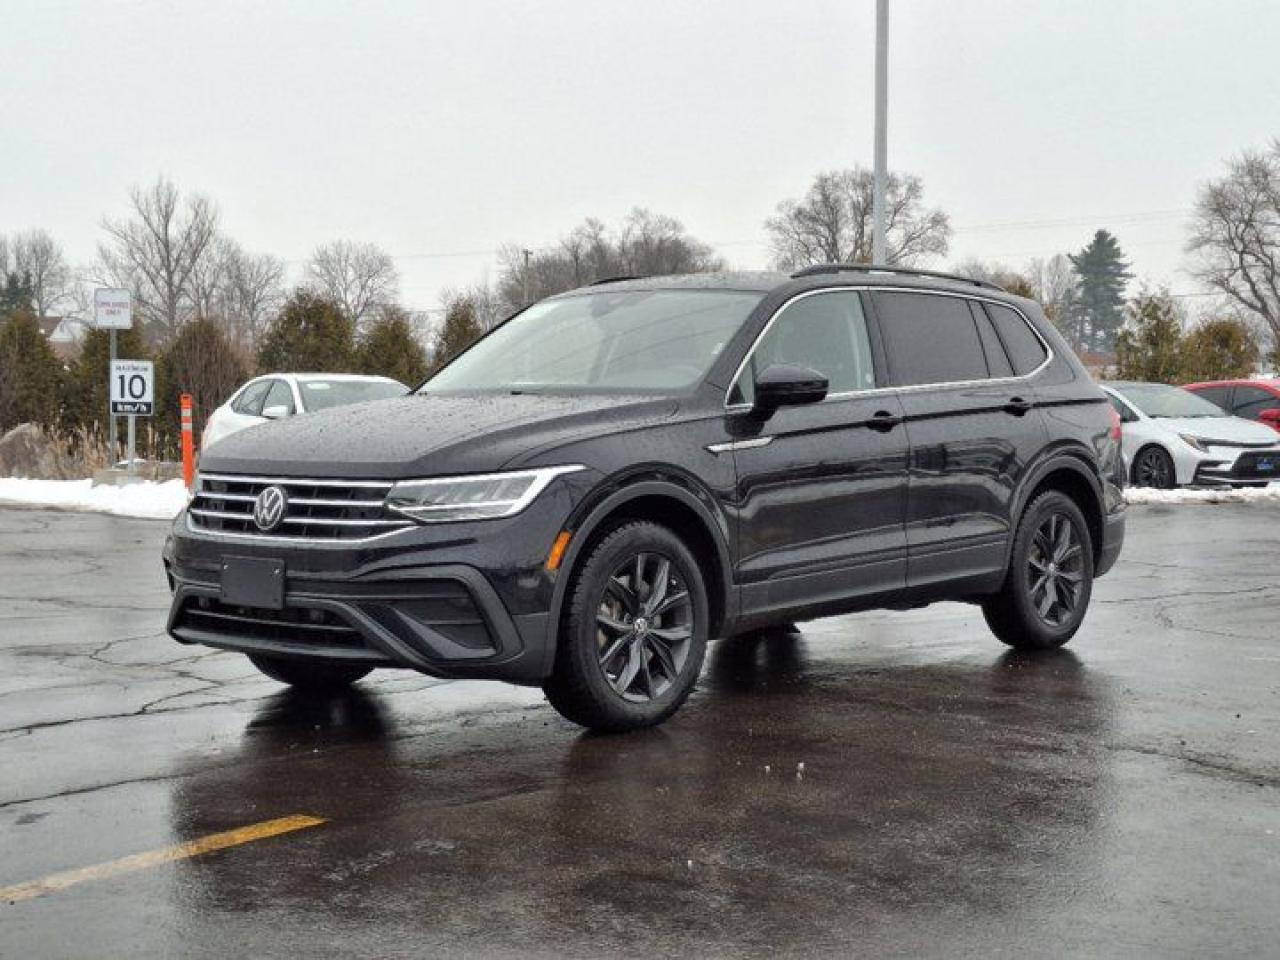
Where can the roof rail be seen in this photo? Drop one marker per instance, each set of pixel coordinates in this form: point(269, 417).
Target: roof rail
point(824, 268)
point(619, 279)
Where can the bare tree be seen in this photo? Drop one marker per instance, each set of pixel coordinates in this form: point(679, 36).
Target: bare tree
point(39, 261)
point(645, 244)
point(5, 260)
point(158, 250)
point(359, 277)
point(1236, 234)
point(253, 291)
point(832, 223)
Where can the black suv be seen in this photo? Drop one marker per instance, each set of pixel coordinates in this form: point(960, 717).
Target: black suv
point(616, 475)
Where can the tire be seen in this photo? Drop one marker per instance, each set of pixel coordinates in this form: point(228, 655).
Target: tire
point(309, 675)
point(1017, 615)
point(628, 657)
point(1153, 467)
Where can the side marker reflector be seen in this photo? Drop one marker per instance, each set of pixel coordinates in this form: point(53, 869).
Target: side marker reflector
point(557, 550)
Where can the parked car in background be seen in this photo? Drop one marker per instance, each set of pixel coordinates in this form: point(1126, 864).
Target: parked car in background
point(279, 395)
point(1252, 399)
point(613, 477)
point(1174, 438)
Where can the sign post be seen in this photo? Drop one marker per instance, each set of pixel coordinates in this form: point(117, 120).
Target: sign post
point(113, 310)
point(132, 394)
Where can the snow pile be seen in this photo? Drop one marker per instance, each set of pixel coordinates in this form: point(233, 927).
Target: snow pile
point(1213, 495)
point(154, 501)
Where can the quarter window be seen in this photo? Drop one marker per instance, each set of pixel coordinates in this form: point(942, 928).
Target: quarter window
point(997, 360)
point(826, 332)
point(930, 339)
point(250, 400)
point(1026, 351)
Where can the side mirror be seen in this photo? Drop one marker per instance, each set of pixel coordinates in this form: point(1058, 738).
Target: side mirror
point(1271, 417)
point(785, 385)
point(278, 412)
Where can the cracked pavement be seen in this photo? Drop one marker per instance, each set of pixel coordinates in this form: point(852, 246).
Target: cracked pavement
point(881, 784)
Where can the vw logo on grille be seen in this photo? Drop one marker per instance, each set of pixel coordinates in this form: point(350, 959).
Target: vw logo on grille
point(269, 508)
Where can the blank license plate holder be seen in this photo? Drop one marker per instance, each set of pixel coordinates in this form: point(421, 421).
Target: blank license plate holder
point(253, 582)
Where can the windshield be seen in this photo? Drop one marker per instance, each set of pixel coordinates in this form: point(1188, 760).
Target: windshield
point(652, 341)
point(323, 394)
point(1158, 400)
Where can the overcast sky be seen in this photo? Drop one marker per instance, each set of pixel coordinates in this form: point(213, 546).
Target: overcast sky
point(442, 130)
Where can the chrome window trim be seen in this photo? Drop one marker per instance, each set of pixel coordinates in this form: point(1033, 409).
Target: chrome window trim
point(846, 394)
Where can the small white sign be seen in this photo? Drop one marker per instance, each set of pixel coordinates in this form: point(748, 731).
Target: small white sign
point(112, 309)
point(132, 387)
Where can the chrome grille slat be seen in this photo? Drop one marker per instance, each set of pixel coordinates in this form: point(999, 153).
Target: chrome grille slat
point(318, 509)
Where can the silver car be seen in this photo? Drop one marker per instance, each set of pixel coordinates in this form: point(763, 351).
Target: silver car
point(1172, 438)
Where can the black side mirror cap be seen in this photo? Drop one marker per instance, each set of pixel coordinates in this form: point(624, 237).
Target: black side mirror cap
point(787, 385)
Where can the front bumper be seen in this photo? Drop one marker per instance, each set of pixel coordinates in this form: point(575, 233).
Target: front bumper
point(450, 600)
point(1235, 465)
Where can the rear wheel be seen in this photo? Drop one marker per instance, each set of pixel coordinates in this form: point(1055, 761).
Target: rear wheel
point(1050, 578)
point(1153, 467)
point(317, 675)
point(636, 631)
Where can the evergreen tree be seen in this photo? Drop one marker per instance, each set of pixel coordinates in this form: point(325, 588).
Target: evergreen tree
point(389, 349)
point(1098, 308)
point(201, 361)
point(1150, 347)
point(30, 374)
point(461, 329)
point(15, 294)
point(1219, 349)
point(309, 334)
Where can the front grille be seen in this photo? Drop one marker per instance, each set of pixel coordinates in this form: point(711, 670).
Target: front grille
point(316, 509)
point(1247, 465)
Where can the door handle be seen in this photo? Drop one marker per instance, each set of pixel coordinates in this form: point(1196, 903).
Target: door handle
point(1017, 406)
point(883, 421)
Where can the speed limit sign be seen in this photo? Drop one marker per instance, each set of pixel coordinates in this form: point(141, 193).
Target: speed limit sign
point(132, 387)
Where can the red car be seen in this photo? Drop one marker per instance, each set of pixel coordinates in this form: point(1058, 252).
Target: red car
point(1252, 399)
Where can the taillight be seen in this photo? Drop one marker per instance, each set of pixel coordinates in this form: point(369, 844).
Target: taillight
point(1115, 425)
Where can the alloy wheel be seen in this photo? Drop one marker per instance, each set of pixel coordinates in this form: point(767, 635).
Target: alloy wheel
point(1055, 568)
point(644, 627)
point(1154, 470)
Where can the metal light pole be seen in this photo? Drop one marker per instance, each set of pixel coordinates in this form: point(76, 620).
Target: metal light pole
point(878, 246)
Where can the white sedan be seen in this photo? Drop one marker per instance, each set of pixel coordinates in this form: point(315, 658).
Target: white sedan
point(1173, 438)
point(279, 395)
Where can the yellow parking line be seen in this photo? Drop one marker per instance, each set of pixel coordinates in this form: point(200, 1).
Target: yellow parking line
point(153, 858)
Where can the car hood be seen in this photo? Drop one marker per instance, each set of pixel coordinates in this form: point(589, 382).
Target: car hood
point(425, 435)
point(1232, 429)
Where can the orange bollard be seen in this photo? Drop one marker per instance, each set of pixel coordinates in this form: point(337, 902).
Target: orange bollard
point(188, 443)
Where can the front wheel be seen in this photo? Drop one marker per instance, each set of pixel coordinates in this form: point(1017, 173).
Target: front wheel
point(309, 675)
point(1153, 467)
point(1049, 583)
point(635, 635)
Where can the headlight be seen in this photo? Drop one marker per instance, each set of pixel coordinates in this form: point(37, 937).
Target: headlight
point(485, 496)
point(1194, 442)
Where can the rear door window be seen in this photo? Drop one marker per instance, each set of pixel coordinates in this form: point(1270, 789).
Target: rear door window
point(1026, 351)
point(250, 400)
point(998, 364)
point(929, 339)
point(1251, 401)
point(826, 332)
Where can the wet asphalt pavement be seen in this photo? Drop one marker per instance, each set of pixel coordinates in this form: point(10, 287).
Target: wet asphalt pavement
point(883, 784)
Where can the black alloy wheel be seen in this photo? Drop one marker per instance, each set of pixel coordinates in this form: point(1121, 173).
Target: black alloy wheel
point(1055, 569)
point(1154, 468)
